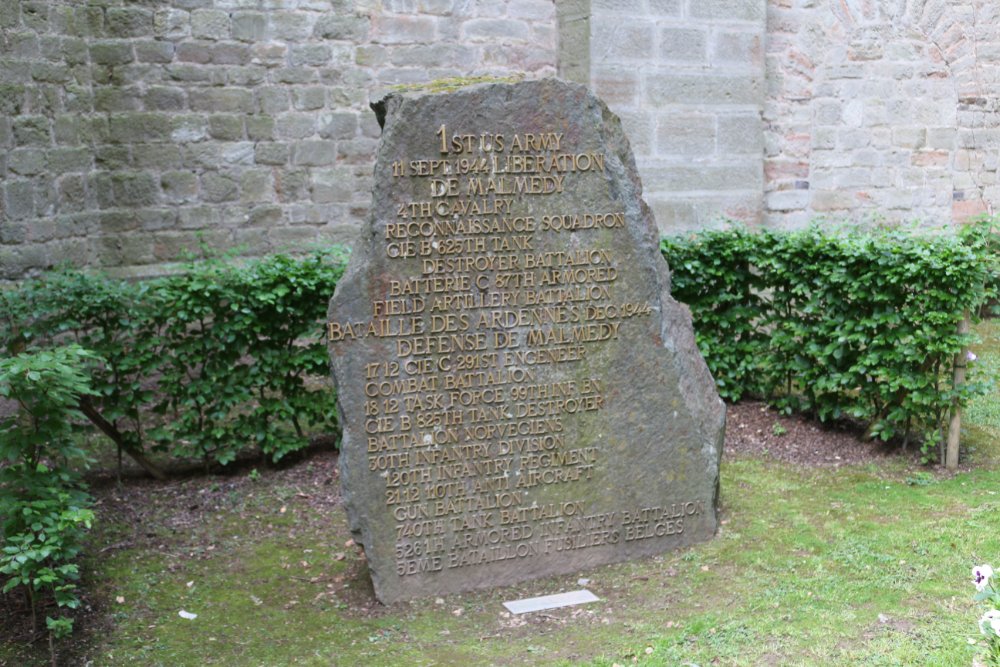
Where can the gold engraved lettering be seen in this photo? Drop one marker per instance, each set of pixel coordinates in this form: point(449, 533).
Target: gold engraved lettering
point(484, 302)
point(514, 185)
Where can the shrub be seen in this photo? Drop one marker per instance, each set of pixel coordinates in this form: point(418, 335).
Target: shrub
point(239, 344)
point(862, 324)
point(43, 506)
point(112, 318)
point(198, 364)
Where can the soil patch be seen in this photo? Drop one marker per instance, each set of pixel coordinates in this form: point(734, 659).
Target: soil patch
point(753, 429)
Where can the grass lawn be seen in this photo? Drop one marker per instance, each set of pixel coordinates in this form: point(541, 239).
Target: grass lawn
point(861, 565)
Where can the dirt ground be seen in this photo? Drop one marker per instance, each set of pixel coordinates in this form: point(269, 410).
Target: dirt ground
point(143, 510)
point(753, 429)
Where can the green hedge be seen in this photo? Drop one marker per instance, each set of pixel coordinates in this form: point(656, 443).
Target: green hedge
point(859, 324)
point(44, 507)
point(200, 364)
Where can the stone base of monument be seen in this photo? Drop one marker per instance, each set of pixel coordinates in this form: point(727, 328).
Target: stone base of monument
point(520, 395)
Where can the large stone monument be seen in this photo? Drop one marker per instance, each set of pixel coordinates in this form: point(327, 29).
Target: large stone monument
point(520, 395)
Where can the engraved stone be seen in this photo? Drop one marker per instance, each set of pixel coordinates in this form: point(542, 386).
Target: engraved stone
point(520, 395)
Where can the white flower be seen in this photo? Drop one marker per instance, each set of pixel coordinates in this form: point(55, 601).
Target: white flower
point(981, 576)
point(971, 356)
point(990, 619)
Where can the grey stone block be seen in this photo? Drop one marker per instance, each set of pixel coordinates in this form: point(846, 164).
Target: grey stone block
point(433, 55)
point(622, 38)
point(12, 233)
point(356, 151)
point(371, 55)
point(194, 52)
point(256, 185)
point(221, 99)
point(738, 48)
point(309, 98)
point(295, 126)
point(271, 153)
point(292, 184)
point(123, 249)
point(293, 75)
point(315, 153)
point(179, 187)
point(125, 189)
point(788, 200)
point(684, 44)
point(35, 15)
point(266, 216)
point(259, 128)
point(272, 99)
point(64, 160)
point(729, 10)
point(154, 51)
point(237, 153)
point(230, 53)
point(26, 161)
point(216, 187)
point(338, 125)
point(410, 29)
point(128, 21)
point(742, 133)
point(708, 177)
point(197, 217)
point(686, 134)
point(246, 75)
point(140, 127)
point(348, 28)
point(10, 15)
point(11, 99)
point(71, 193)
point(188, 73)
point(156, 156)
point(165, 98)
point(19, 199)
point(333, 186)
point(226, 127)
point(111, 53)
point(171, 23)
point(31, 131)
point(210, 24)
point(290, 26)
point(110, 99)
point(23, 45)
point(309, 55)
point(714, 89)
point(207, 154)
point(249, 26)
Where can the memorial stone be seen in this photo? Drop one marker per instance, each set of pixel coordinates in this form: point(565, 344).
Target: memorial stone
point(520, 395)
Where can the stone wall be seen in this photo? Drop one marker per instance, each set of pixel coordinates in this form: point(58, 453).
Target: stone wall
point(882, 110)
point(687, 79)
point(133, 131)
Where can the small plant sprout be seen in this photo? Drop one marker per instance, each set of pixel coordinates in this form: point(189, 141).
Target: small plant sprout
point(778, 429)
point(989, 623)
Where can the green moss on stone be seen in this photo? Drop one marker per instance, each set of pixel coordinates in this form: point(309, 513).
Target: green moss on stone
point(455, 83)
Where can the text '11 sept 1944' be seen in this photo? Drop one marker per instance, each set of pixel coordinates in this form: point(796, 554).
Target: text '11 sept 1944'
point(492, 348)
